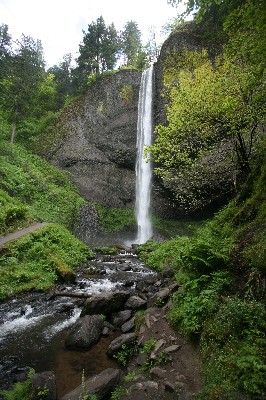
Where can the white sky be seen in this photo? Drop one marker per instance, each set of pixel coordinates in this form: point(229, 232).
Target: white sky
point(59, 23)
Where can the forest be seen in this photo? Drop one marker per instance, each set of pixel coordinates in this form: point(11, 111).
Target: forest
point(213, 96)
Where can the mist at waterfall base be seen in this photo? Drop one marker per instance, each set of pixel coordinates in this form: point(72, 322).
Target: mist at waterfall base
point(143, 168)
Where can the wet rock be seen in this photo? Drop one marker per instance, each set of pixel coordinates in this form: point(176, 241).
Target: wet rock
point(101, 385)
point(10, 372)
point(125, 268)
point(44, 386)
point(135, 303)
point(23, 310)
point(129, 283)
point(105, 303)
point(67, 307)
point(120, 317)
point(128, 325)
point(116, 345)
point(85, 332)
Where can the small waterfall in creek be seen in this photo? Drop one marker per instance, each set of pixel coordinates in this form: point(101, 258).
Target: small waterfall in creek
point(143, 168)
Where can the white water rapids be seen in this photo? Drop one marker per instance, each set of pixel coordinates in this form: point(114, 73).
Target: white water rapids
point(143, 168)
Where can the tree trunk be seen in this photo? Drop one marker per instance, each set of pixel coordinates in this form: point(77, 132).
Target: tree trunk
point(13, 130)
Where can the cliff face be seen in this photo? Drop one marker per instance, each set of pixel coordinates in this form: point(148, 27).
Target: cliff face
point(98, 141)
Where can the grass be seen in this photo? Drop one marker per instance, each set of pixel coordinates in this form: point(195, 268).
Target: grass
point(36, 187)
point(39, 259)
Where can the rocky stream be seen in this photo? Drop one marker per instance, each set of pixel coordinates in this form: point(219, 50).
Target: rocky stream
point(75, 330)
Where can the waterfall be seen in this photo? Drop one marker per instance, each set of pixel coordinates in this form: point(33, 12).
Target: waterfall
point(143, 168)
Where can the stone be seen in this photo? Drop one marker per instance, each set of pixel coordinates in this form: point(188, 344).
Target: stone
point(135, 303)
point(85, 332)
point(160, 298)
point(43, 386)
point(101, 385)
point(172, 349)
point(105, 303)
point(169, 386)
point(127, 339)
point(128, 326)
point(158, 372)
point(120, 317)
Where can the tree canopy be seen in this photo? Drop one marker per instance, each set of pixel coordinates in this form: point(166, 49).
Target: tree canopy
point(214, 99)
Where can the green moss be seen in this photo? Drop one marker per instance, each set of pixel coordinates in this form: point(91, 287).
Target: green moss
point(115, 219)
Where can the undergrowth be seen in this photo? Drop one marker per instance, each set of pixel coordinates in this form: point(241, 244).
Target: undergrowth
point(35, 186)
point(39, 259)
point(221, 303)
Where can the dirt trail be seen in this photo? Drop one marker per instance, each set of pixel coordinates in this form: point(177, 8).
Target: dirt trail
point(22, 232)
point(176, 377)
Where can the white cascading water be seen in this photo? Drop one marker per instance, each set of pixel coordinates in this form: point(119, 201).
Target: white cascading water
point(143, 168)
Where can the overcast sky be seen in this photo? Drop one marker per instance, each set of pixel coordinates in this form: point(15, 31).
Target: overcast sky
point(59, 23)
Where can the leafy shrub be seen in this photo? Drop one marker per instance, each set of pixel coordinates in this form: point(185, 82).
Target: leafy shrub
point(125, 353)
point(198, 301)
point(11, 211)
point(20, 390)
point(232, 344)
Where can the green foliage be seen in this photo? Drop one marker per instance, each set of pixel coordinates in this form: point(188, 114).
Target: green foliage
point(221, 270)
point(148, 346)
point(233, 345)
point(119, 392)
point(37, 260)
point(105, 250)
point(115, 219)
point(48, 193)
point(198, 301)
point(20, 390)
point(13, 213)
point(125, 353)
point(127, 94)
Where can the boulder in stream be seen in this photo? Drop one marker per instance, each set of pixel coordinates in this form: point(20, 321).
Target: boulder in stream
point(85, 332)
point(105, 303)
point(101, 385)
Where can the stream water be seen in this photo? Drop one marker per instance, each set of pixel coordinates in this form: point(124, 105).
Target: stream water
point(33, 327)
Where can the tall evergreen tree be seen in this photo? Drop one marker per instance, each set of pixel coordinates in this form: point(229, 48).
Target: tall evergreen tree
point(98, 52)
point(131, 42)
point(25, 73)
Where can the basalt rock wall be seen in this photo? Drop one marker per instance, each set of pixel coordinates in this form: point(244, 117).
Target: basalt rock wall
point(97, 144)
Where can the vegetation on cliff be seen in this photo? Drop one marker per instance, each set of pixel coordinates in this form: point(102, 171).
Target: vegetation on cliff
point(215, 103)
